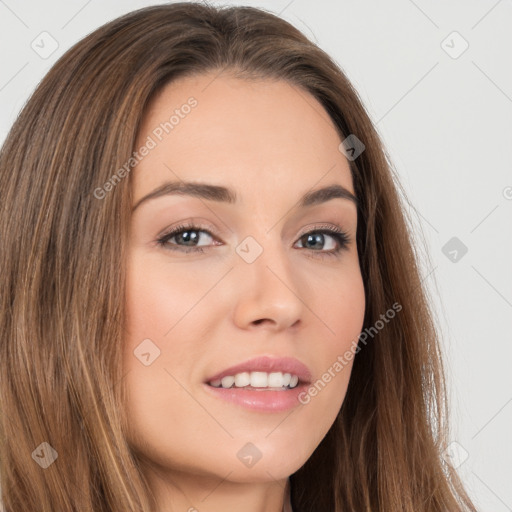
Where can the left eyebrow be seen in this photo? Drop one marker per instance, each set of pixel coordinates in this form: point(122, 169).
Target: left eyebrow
point(224, 194)
point(325, 194)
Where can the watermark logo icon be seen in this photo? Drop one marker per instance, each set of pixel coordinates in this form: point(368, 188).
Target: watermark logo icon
point(146, 352)
point(455, 454)
point(249, 249)
point(44, 45)
point(45, 455)
point(454, 249)
point(352, 147)
point(249, 455)
point(454, 45)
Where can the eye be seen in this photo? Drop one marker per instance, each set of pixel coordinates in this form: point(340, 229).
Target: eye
point(334, 238)
point(187, 237)
point(190, 235)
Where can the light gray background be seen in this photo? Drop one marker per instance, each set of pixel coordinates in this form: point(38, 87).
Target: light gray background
point(445, 119)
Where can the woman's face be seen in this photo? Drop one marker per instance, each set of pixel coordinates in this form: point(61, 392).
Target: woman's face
point(256, 276)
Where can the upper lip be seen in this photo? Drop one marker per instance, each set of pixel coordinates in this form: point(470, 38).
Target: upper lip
point(268, 364)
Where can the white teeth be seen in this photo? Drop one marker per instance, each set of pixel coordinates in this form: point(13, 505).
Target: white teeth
point(242, 379)
point(275, 380)
point(257, 380)
point(227, 381)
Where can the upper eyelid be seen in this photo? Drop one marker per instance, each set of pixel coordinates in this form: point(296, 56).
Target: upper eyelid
point(314, 227)
point(198, 227)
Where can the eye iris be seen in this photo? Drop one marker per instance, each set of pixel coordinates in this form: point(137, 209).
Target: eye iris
point(187, 237)
point(318, 237)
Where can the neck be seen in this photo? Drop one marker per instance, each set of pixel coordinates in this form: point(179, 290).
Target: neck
point(183, 492)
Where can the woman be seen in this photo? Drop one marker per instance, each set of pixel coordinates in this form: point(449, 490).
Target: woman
point(209, 298)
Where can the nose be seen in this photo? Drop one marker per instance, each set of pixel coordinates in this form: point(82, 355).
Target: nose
point(267, 292)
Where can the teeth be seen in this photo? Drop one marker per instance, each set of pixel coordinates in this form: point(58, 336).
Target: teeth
point(227, 381)
point(242, 379)
point(257, 380)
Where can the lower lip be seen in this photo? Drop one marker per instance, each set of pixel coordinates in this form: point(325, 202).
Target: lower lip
point(260, 400)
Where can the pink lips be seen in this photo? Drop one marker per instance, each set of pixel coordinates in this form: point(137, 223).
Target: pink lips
point(268, 364)
point(263, 399)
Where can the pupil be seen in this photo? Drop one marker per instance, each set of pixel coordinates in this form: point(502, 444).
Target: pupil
point(318, 237)
point(189, 236)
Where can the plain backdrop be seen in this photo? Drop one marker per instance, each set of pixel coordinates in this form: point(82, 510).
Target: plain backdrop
point(436, 79)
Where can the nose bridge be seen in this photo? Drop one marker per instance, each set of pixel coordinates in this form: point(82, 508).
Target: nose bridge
point(265, 257)
point(268, 286)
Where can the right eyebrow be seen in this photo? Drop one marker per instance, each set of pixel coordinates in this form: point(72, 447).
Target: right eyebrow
point(202, 190)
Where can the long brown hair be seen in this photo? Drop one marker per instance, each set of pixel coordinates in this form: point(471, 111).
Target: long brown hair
point(62, 250)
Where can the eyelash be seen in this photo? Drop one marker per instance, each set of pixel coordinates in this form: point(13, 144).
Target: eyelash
point(339, 235)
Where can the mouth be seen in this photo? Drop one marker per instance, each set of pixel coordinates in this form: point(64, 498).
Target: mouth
point(263, 384)
point(263, 372)
point(258, 381)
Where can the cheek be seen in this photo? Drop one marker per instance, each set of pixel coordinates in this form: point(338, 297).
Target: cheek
point(155, 320)
point(157, 302)
point(343, 308)
point(159, 295)
point(151, 314)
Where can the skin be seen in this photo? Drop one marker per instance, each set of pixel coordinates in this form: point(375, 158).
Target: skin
point(271, 142)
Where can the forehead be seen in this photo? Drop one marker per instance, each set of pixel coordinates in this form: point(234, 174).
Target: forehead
point(256, 136)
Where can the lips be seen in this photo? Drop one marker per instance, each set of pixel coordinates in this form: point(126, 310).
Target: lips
point(267, 364)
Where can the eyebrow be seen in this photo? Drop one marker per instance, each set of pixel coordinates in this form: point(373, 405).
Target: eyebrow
point(226, 195)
